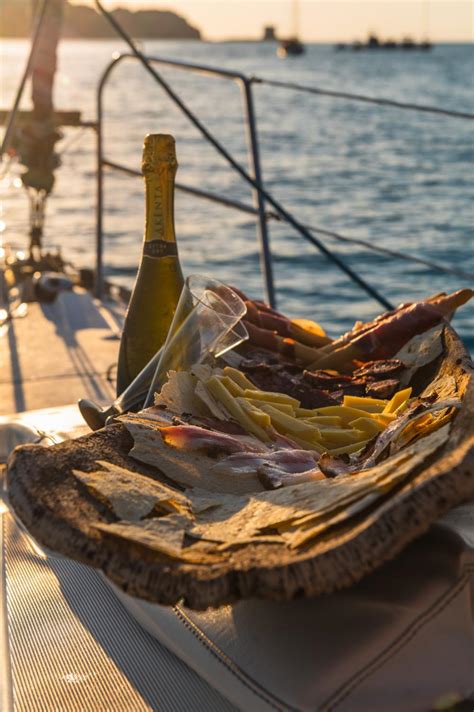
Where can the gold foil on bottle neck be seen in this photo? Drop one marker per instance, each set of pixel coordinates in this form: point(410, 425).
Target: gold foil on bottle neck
point(159, 152)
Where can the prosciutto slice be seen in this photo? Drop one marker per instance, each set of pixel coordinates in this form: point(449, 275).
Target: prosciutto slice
point(387, 334)
point(192, 438)
point(274, 469)
point(273, 477)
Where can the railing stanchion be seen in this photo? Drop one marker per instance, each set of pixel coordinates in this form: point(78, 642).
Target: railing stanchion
point(265, 254)
point(99, 233)
point(99, 277)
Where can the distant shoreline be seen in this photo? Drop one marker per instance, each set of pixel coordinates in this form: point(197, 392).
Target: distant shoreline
point(205, 40)
point(83, 22)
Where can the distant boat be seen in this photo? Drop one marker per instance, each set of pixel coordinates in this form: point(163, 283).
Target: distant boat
point(373, 43)
point(292, 46)
point(407, 43)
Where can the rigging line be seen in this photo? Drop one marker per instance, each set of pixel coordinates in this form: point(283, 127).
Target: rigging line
point(384, 250)
point(364, 98)
point(214, 197)
point(394, 253)
point(270, 215)
point(284, 214)
point(11, 119)
point(67, 144)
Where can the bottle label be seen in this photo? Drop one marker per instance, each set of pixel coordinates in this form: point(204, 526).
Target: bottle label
point(159, 248)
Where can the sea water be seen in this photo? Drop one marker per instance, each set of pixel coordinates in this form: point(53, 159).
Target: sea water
point(398, 179)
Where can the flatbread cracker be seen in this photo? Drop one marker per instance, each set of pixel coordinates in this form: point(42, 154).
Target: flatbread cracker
point(132, 496)
point(178, 394)
point(240, 518)
point(384, 477)
point(162, 534)
point(420, 351)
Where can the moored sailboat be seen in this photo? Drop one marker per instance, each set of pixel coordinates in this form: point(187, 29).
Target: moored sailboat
point(292, 46)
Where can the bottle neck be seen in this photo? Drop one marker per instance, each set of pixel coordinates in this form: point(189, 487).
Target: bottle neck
point(159, 219)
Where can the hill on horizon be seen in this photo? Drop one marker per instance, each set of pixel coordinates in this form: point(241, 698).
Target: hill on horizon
point(83, 22)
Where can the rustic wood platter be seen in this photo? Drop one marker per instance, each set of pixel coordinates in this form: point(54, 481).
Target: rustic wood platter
point(65, 516)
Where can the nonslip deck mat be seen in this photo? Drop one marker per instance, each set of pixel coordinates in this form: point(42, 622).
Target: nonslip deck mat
point(62, 514)
point(73, 647)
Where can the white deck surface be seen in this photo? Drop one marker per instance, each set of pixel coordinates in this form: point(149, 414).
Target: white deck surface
point(58, 353)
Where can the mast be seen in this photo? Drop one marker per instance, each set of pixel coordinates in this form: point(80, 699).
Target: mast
point(426, 20)
point(35, 139)
point(45, 60)
point(295, 18)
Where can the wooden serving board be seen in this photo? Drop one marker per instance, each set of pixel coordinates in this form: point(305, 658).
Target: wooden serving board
point(59, 512)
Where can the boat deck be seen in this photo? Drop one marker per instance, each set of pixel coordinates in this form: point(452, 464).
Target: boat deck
point(58, 353)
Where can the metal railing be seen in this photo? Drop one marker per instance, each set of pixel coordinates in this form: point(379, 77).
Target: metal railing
point(254, 162)
point(260, 195)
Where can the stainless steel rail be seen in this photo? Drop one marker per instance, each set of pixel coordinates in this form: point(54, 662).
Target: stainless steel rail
point(260, 194)
point(254, 160)
point(380, 101)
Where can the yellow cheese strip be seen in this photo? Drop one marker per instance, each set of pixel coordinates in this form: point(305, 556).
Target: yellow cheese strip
point(231, 386)
point(384, 418)
point(349, 449)
point(220, 392)
point(371, 405)
point(312, 438)
point(428, 427)
point(400, 398)
point(257, 415)
point(368, 425)
point(343, 411)
point(325, 420)
point(338, 436)
point(401, 407)
point(284, 407)
point(271, 397)
point(308, 444)
point(238, 377)
point(287, 424)
point(305, 412)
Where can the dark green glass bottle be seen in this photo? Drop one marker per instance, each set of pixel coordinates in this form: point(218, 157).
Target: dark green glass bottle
point(159, 279)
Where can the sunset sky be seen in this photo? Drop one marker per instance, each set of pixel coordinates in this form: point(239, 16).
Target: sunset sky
point(322, 20)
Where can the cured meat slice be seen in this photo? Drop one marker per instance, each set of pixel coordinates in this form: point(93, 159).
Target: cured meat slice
point(274, 477)
point(287, 378)
point(387, 334)
point(382, 389)
point(380, 370)
point(191, 438)
point(274, 469)
point(288, 461)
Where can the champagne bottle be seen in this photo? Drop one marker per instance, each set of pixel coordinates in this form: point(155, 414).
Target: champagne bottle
point(159, 279)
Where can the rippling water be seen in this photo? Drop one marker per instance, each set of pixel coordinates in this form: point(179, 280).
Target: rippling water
point(400, 179)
